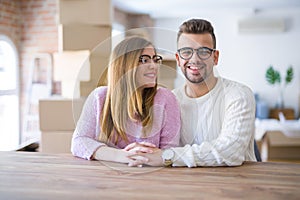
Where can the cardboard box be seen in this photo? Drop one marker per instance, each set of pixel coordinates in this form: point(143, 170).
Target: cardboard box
point(167, 72)
point(99, 65)
point(71, 67)
point(277, 146)
point(58, 119)
point(96, 12)
point(56, 142)
point(83, 37)
point(59, 114)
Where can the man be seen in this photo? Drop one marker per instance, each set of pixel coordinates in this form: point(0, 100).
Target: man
point(217, 114)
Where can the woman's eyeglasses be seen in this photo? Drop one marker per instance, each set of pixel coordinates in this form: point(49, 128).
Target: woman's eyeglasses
point(146, 59)
point(187, 52)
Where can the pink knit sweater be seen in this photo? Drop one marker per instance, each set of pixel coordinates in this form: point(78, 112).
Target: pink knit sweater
point(164, 133)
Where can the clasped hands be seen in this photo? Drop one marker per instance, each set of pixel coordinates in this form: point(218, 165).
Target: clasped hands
point(143, 153)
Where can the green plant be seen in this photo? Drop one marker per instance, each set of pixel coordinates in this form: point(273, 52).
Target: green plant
point(273, 76)
point(289, 75)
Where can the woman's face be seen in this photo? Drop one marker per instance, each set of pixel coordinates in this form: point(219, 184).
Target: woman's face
point(147, 71)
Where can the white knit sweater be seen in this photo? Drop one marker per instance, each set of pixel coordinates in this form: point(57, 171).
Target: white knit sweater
point(217, 128)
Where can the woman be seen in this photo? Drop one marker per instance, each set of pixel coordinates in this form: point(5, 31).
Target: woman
point(118, 119)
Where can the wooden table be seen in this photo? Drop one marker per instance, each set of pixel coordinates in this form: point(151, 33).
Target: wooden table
point(31, 175)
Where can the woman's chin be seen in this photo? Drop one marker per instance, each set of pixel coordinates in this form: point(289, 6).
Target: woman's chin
point(149, 85)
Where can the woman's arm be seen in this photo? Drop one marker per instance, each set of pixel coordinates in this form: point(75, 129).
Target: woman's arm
point(84, 140)
point(106, 153)
point(126, 155)
point(170, 131)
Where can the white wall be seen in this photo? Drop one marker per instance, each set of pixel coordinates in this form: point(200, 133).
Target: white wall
point(245, 57)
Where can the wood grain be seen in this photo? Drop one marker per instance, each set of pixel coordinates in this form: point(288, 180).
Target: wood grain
point(32, 175)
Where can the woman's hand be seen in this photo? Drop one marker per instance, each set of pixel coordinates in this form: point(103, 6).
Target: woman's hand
point(132, 153)
point(106, 153)
point(143, 153)
point(140, 147)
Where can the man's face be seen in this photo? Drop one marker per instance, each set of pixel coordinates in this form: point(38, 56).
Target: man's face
point(197, 67)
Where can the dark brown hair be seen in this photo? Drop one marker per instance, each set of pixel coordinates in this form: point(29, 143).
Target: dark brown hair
point(197, 26)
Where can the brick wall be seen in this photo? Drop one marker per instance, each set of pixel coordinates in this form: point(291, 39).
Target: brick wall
point(39, 32)
point(10, 23)
point(32, 26)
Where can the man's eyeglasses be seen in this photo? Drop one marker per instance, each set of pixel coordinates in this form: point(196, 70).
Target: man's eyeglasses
point(146, 59)
point(187, 52)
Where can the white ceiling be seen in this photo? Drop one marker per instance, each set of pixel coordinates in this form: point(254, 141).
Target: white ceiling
point(183, 8)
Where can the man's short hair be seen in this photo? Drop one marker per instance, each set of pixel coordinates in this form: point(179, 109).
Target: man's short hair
point(197, 26)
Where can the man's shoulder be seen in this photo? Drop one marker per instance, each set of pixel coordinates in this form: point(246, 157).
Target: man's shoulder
point(178, 91)
point(231, 85)
point(234, 89)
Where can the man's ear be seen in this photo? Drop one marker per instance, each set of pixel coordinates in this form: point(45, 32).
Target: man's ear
point(177, 59)
point(216, 57)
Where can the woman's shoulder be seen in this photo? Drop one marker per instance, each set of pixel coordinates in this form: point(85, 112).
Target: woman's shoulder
point(164, 94)
point(99, 92)
point(164, 91)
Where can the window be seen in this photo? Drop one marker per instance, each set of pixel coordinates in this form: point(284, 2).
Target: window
point(9, 96)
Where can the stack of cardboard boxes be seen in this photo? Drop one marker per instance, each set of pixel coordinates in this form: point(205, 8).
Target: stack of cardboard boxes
point(85, 31)
point(167, 73)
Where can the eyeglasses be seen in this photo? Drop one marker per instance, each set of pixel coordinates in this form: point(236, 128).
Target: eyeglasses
point(187, 52)
point(146, 59)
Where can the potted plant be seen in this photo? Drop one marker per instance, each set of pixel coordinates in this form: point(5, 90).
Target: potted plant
point(273, 77)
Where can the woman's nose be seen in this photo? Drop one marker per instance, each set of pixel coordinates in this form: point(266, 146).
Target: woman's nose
point(153, 65)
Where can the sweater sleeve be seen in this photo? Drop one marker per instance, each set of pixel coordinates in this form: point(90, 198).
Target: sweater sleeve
point(84, 140)
point(230, 147)
point(170, 132)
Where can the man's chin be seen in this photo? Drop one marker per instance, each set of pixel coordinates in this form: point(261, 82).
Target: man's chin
point(195, 80)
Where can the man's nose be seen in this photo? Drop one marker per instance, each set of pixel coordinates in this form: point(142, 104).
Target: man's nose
point(194, 60)
point(195, 56)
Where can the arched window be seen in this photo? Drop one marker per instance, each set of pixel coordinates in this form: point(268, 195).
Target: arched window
point(9, 96)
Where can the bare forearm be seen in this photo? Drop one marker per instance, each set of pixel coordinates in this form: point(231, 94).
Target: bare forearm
point(106, 153)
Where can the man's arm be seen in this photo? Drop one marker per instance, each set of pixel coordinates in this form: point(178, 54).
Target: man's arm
point(229, 149)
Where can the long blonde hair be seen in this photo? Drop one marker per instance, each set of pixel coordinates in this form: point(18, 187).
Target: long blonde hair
point(124, 99)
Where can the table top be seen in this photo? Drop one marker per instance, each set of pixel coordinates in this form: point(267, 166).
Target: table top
point(32, 175)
